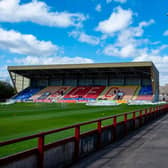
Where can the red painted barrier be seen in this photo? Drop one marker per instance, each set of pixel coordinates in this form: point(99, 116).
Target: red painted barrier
point(41, 147)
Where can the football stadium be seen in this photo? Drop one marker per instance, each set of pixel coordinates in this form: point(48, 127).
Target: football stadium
point(119, 82)
point(63, 103)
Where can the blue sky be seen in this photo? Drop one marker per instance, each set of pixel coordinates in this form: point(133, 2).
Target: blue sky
point(83, 31)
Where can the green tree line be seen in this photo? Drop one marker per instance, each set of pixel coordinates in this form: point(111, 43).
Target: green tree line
point(6, 90)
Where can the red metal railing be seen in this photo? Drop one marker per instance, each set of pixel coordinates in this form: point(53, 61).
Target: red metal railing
point(77, 134)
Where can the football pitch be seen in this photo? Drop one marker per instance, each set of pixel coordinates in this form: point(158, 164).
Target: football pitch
point(24, 119)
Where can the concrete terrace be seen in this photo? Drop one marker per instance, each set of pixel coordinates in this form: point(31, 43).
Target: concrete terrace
point(145, 148)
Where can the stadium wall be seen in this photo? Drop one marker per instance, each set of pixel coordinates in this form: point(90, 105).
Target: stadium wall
point(19, 82)
point(65, 152)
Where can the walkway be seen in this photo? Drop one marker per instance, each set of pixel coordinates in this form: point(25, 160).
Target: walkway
point(146, 148)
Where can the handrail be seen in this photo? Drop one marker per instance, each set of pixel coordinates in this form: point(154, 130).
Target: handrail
point(41, 146)
point(3, 143)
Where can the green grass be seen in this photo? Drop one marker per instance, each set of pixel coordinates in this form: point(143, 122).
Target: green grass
point(23, 119)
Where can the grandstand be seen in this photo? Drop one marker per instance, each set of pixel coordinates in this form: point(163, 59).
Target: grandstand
point(86, 82)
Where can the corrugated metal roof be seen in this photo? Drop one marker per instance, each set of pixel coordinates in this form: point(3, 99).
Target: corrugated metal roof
point(83, 66)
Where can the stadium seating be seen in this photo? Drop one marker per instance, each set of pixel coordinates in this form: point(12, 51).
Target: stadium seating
point(146, 90)
point(84, 93)
point(50, 93)
point(145, 93)
point(111, 93)
point(94, 92)
point(41, 92)
point(108, 93)
point(145, 97)
point(26, 94)
point(59, 91)
point(129, 92)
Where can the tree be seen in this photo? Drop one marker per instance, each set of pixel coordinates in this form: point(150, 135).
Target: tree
point(6, 90)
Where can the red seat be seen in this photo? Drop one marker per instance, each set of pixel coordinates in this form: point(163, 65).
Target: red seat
point(85, 92)
point(94, 92)
point(145, 97)
point(77, 92)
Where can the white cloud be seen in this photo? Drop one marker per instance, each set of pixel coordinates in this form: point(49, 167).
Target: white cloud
point(124, 52)
point(119, 20)
point(143, 54)
point(37, 12)
point(37, 60)
point(120, 1)
point(165, 33)
point(161, 63)
point(85, 38)
point(145, 24)
point(98, 8)
point(33, 60)
point(128, 41)
point(25, 44)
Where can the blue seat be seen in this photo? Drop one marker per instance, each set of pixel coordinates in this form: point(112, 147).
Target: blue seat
point(146, 90)
point(26, 94)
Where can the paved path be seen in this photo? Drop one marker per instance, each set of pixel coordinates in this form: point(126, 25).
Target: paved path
point(146, 148)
